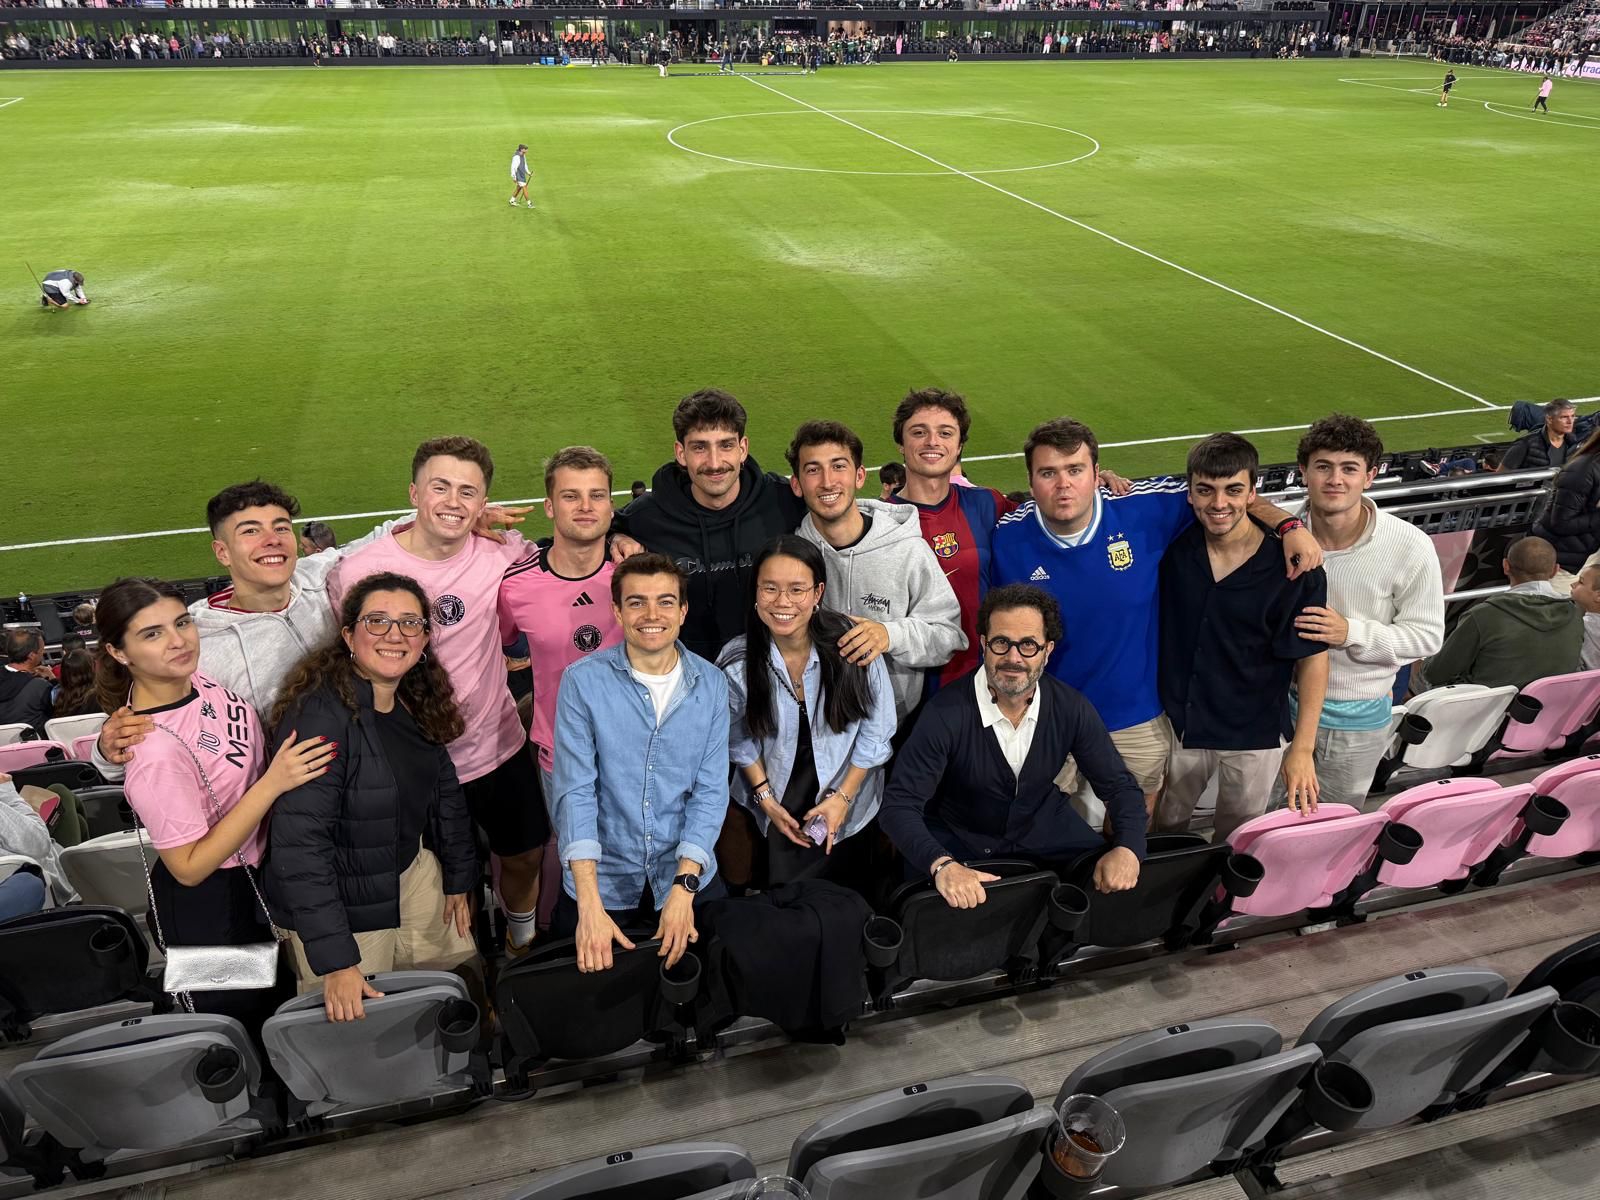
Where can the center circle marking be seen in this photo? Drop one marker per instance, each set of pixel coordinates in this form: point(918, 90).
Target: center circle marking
point(1094, 146)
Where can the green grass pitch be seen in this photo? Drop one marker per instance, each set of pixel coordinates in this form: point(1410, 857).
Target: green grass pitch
point(299, 273)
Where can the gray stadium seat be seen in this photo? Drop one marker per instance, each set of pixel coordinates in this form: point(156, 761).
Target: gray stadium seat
point(974, 1138)
point(1192, 1095)
point(728, 1191)
point(415, 1042)
point(656, 1173)
point(110, 870)
point(150, 1083)
point(1425, 1038)
point(66, 960)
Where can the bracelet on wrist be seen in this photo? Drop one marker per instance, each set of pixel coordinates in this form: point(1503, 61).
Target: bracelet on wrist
point(941, 865)
point(1288, 525)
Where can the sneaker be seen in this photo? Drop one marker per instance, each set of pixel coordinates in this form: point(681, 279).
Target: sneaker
point(530, 203)
point(513, 202)
point(514, 952)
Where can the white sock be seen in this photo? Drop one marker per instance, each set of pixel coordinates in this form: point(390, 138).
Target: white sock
point(521, 927)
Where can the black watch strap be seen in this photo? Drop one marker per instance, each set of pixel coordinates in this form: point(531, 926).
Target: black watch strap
point(689, 883)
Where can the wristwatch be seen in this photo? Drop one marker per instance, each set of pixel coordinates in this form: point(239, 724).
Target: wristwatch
point(689, 883)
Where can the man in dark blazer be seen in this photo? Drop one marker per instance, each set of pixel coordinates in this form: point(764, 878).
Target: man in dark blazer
point(977, 776)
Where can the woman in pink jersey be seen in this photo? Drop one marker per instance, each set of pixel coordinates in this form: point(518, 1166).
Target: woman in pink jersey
point(149, 648)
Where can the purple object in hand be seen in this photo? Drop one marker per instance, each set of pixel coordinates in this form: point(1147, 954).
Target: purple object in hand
point(817, 829)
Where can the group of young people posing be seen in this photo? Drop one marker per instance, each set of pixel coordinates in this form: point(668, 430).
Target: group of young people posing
point(743, 680)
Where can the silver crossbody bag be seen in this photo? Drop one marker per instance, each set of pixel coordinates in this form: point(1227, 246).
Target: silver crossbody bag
point(213, 968)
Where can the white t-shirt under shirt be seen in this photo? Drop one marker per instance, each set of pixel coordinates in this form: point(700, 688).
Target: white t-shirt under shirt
point(662, 688)
point(164, 788)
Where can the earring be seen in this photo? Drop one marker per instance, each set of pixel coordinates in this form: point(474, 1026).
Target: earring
point(424, 657)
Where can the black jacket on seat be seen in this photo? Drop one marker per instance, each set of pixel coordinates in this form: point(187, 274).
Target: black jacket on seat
point(333, 868)
point(1571, 523)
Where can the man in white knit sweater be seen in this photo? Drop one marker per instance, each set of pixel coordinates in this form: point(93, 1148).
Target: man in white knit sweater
point(1385, 603)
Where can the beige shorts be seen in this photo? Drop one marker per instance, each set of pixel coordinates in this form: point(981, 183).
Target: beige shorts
point(1144, 750)
point(423, 942)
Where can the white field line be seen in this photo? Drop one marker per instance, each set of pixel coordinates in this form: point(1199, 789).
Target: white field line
point(9, 100)
point(401, 512)
point(1112, 238)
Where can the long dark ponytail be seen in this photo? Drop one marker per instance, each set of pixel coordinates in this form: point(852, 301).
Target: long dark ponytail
point(846, 692)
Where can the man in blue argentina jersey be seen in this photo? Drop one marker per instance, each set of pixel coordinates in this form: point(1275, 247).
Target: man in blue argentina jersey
point(1100, 556)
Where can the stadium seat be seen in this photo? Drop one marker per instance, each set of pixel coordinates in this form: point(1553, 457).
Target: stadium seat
point(83, 747)
point(943, 943)
point(1565, 823)
point(1192, 1096)
point(415, 1042)
point(110, 870)
point(68, 772)
point(12, 734)
point(1317, 861)
point(1424, 1038)
point(150, 1083)
point(1174, 898)
point(1462, 822)
point(66, 960)
point(1445, 727)
point(549, 1009)
point(18, 755)
point(657, 1173)
point(1563, 705)
point(105, 809)
point(974, 1136)
point(66, 729)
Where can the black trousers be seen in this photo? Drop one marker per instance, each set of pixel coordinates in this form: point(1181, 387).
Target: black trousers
point(220, 910)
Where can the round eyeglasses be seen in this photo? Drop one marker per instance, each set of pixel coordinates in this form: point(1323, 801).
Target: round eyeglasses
point(1001, 646)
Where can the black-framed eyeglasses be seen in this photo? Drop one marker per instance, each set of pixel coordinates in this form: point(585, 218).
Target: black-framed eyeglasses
point(377, 624)
point(1002, 646)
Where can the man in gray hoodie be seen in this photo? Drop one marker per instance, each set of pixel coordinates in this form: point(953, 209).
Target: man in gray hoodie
point(880, 572)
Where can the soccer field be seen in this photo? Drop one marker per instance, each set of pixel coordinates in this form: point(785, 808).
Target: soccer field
point(300, 273)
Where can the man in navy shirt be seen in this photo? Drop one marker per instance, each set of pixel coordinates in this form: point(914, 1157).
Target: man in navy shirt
point(1100, 555)
point(1230, 649)
point(977, 776)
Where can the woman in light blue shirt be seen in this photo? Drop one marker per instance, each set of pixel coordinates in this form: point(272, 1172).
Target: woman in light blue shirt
point(809, 732)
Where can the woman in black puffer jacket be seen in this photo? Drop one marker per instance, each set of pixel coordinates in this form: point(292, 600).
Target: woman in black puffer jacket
point(371, 865)
point(1571, 522)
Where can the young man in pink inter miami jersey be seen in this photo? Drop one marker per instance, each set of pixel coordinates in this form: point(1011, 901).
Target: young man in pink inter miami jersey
point(560, 599)
point(450, 478)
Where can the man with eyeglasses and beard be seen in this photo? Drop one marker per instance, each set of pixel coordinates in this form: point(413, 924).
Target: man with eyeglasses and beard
point(976, 778)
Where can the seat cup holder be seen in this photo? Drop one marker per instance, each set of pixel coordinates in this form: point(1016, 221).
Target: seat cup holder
point(1570, 1036)
point(881, 939)
point(1242, 874)
point(680, 983)
point(220, 1074)
point(1414, 728)
point(1398, 843)
point(1525, 710)
point(1544, 815)
point(1069, 905)
point(1337, 1096)
point(108, 943)
point(456, 1023)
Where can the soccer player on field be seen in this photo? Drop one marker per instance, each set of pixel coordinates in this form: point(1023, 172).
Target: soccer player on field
point(519, 176)
point(1100, 557)
point(1444, 92)
point(1545, 89)
point(450, 479)
point(560, 597)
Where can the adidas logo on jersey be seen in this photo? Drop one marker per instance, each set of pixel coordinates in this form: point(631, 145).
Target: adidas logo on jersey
point(1040, 575)
point(583, 599)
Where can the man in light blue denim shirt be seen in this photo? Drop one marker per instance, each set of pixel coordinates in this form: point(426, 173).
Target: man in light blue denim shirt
point(641, 774)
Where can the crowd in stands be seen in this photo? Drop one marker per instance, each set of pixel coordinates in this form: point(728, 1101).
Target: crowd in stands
point(1508, 55)
point(1574, 28)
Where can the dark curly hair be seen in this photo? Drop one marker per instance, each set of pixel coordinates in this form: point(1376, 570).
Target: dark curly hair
point(425, 689)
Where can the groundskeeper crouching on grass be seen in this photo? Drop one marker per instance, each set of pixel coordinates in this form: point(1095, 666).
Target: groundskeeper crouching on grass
point(62, 288)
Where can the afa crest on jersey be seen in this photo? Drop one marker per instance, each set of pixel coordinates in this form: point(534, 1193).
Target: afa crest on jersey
point(945, 545)
point(1119, 553)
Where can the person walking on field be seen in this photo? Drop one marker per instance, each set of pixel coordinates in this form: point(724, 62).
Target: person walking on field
point(1545, 89)
point(519, 176)
point(1444, 90)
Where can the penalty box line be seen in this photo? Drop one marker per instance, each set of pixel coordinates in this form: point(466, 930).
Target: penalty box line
point(1139, 250)
point(1010, 454)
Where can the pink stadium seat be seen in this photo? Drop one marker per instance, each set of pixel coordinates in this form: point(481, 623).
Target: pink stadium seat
point(1569, 702)
point(1461, 821)
point(83, 747)
point(1577, 785)
point(1308, 860)
point(26, 754)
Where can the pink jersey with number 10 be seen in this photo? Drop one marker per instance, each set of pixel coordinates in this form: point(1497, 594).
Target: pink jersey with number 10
point(564, 620)
point(465, 636)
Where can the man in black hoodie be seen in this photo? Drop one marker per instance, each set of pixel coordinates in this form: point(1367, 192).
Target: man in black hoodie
point(711, 510)
point(24, 686)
